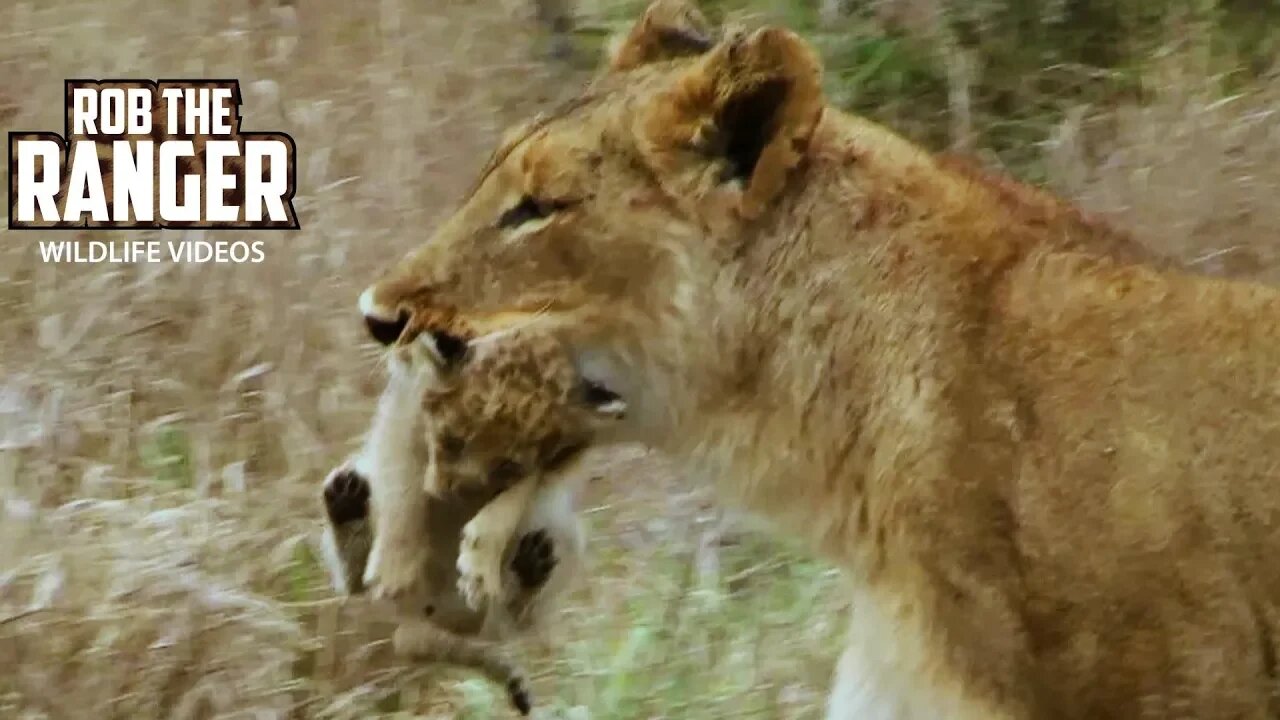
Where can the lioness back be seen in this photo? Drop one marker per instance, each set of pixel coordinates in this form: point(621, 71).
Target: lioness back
point(1146, 408)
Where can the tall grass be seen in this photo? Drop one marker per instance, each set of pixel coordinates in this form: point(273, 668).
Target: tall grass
point(1194, 170)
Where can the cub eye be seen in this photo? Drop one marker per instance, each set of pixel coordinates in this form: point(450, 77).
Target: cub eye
point(505, 472)
point(530, 208)
point(452, 446)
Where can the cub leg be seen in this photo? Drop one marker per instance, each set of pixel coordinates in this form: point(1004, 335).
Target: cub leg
point(397, 458)
point(347, 535)
point(484, 542)
point(546, 556)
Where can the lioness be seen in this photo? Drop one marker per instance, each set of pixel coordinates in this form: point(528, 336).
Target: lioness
point(1051, 471)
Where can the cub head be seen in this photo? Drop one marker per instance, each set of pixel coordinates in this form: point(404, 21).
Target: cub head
point(511, 405)
point(609, 217)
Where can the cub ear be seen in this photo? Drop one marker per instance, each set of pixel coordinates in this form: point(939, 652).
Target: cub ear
point(668, 29)
point(750, 106)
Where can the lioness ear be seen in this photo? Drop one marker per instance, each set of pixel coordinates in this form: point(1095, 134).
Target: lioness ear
point(668, 29)
point(750, 106)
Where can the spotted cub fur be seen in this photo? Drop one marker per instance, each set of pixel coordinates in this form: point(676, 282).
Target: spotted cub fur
point(460, 510)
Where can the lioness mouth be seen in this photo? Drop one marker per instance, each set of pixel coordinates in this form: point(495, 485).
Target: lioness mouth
point(386, 332)
point(447, 351)
point(598, 396)
point(447, 348)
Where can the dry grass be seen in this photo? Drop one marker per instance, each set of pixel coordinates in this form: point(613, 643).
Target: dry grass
point(1194, 171)
point(163, 429)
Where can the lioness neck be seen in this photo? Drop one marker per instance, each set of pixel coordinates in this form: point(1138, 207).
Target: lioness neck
point(847, 328)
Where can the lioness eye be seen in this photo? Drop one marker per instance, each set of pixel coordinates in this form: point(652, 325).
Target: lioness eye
point(529, 208)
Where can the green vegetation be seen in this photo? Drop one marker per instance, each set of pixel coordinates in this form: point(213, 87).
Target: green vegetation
point(1016, 65)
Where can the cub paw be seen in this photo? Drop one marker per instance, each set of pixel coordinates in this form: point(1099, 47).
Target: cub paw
point(395, 578)
point(534, 559)
point(479, 567)
point(397, 582)
point(346, 496)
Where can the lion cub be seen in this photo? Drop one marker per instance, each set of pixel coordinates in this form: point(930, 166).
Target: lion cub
point(414, 517)
point(511, 411)
point(507, 413)
point(443, 629)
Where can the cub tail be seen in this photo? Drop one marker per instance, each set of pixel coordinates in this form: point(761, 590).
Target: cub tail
point(427, 643)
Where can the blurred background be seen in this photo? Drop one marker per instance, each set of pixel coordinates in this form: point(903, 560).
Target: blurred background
point(164, 428)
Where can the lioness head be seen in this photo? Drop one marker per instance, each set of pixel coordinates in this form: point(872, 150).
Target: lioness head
point(608, 215)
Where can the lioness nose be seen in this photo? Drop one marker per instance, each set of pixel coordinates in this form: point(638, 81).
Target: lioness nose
point(385, 326)
point(386, 331)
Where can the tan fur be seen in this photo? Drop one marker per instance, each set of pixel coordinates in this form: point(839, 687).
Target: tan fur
point(397, 464)
point(440, 627)
point(1049, 469)
point(454, 552)
point(480, 557)
point(514, 404)
point(513, 413)
point(668, 29)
